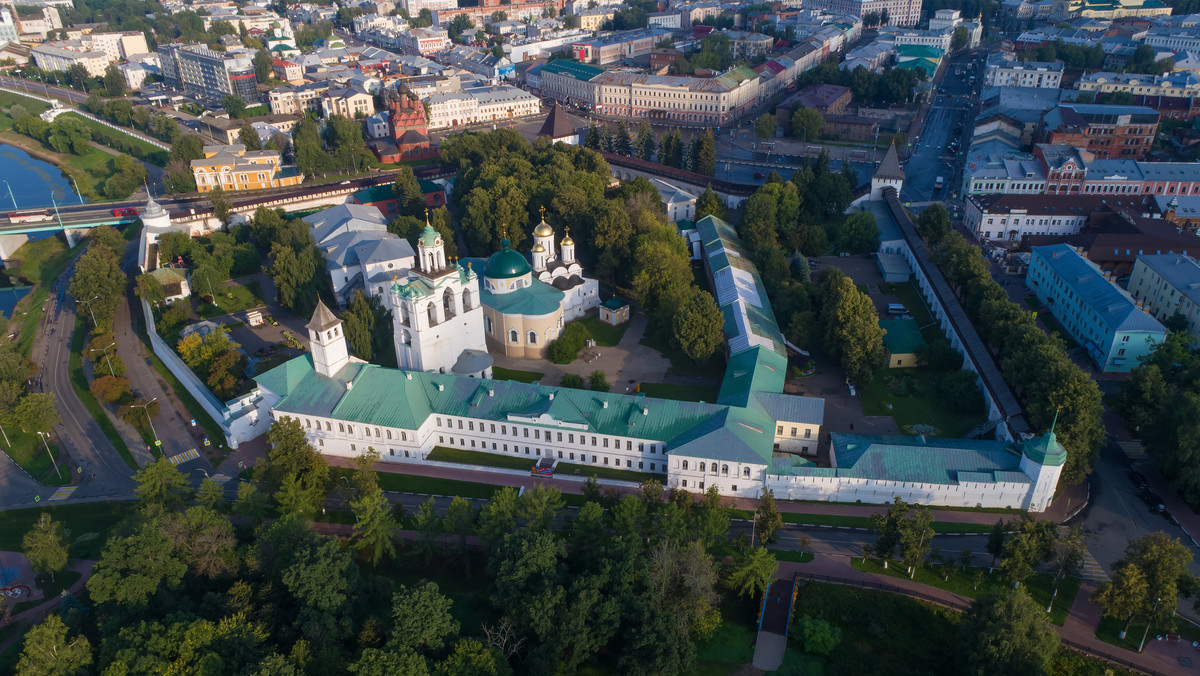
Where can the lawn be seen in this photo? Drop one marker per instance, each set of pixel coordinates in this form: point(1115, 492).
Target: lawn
point(909, 391)
point(867, 522)
point(789, 555)
point(603, 472)
point(963, 582)
point(89, 170)
point(733, 642)
point(680, 392)
point(605, 335)
point(408, 483)
point(908, 296)
point(681, 365)
point(231, 299)
point(80, 384)
point(150, 153)
point(40, 263)
point(28, 451)
point(1110, 627)
point(34, 106)
point(443, 454)
point(500, 373)
point(80, 519)
point(51, 589)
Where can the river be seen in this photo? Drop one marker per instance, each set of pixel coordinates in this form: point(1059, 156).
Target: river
point(33, 182)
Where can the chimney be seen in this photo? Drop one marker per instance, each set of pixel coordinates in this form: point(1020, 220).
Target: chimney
point(349, 385)
point(605, 404)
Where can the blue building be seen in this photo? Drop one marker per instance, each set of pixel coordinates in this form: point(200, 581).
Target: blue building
point(1098, 314)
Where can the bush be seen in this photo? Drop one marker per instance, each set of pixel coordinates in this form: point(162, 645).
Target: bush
point(565, 348)
point(572, 381)
point(598, 381)
point(817, 636)
point(959, 390)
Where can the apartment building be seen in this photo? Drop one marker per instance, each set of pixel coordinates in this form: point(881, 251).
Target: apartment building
point(202, 72)
point(232, 167)
point(9, 32)
point(1124, 132)
point(423, 41)
point(593, 19)
point(613, 47)
point(900, 12)
point(1098, 314)
point(414, 7)
point(63, 54)
point(1168, 84)
point(1010, 73)
point(1009, 218)
point(1168, 284)
point(297, 99)
point(747, 45)
point(118, 45)
point(478, 105)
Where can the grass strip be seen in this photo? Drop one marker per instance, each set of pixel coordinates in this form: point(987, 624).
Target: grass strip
point(443, 454)
point(789, 555)
point(605, 472)
point(839, 521)
point(81, 519)
point(80, 385)
point(605, 335)
point(501, 373)
point(409, 483)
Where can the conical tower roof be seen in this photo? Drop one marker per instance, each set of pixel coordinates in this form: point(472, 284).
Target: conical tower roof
point(889, 168)
point(322, 318)
point(556, 125)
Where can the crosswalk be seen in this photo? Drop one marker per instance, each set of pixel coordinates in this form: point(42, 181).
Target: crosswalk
point(62, 493)
point(1132, 449)
point(1090, 568)
point(189, 454)
point(220, 479)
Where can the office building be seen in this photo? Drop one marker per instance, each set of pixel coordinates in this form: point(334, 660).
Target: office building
point(202, 72)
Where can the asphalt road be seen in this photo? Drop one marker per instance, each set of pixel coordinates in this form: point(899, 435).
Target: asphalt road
point(950, 118)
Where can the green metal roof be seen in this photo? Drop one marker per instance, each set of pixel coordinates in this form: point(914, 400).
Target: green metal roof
point(429, 236)
point(918, 51)
point(614, 303)
point(902, 337)
point(579, 71)
point(535, 300)
point(755, 370)
point(506, 263)
point(1045, 450)
point(932, 460)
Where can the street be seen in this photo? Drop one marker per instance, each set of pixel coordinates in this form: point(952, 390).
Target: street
point(950, 119)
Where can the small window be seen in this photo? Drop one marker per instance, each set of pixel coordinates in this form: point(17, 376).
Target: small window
point(746, 472)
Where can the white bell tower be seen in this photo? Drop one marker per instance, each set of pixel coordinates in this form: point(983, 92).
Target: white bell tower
point(431, 251)
point(327, 341)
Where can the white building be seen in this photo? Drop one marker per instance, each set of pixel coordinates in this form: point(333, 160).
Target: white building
point(998, 217)
point(678, 203)
point(360, 254)
point(423, 41)
point(414, 7)
point(118, 45)
point(1011, 73)
point(478, 105)
point(61, 55)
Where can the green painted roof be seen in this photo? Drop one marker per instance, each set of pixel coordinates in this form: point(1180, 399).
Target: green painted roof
point(614, 303)
point(755, 370)
point(1045, 450)
point(429, 236)
point(932, 460)
point(579, 71)
point(535, 300)
point(506, 263)
point(902, 337)
point(918, 51)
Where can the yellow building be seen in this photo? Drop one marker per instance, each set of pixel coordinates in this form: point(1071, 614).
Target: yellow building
point(234, 168)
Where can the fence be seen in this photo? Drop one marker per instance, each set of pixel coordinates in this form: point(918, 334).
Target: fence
point(960, 606)
point(215, 409)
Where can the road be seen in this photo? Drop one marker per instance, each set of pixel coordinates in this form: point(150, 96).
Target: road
point(950, 118)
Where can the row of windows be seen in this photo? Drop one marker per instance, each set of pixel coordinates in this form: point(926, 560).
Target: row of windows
point(344, 428)
point(724, 469)
point(807, 431)
point(544, 435)
point(537, 452)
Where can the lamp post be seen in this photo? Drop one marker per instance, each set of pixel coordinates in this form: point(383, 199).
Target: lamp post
point(105, 351)
point(43, 435)
point(89, 304)
point(77, 190)
point(1148, 621)
point(10, 195)
point(145, 407)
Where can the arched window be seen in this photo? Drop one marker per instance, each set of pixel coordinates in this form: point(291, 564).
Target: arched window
point(341, 427)
point(533, 337)
point(328, 426)
point(702, 466)
point(377, 432)
point(432, 314)
point(448, 305)
point(466, 299)
point(746, 472)
point(714, 469)
point(307, 422)
point(685, 466)
point(407, 337)
point(487, 324)
point(389, 434)
point(724, 470)
point(513, 337)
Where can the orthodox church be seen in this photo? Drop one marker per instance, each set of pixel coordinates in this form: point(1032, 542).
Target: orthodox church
point(527, 301)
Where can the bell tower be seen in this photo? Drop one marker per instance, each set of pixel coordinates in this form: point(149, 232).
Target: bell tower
point(327, 341)
point(431, 250)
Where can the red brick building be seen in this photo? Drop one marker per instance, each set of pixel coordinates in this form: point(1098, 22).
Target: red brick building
point(408, 130)
point(1109, 132)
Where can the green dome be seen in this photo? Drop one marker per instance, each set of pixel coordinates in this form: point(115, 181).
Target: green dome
point(506, 263)
point(429, 236)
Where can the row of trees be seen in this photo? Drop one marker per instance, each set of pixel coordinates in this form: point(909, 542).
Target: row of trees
point(120, 111)
point(1161, 401)
point(699, 156)
point(179, 588)
point(1033, 362)
point(896, 86)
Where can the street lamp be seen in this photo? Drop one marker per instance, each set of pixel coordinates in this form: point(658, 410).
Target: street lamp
point(77, 190)
point(105, 351)
point(10, 195)
point(145, 407)
point(1148, 621)
point(89, 304)
point(43, 435)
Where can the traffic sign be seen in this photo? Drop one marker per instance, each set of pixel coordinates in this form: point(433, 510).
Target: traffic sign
point(157, 442)
point(193, 422)
point(207, 442)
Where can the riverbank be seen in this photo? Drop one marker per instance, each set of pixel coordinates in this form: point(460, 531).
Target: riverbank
point(78, 167)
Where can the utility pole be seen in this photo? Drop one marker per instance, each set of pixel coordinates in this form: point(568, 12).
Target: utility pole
point(105, 351)
point(43, 435)
point(145, 407)
point(11, 196)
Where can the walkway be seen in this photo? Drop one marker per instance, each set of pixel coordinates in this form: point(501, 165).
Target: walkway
point(40, 611)
point(1079, 630)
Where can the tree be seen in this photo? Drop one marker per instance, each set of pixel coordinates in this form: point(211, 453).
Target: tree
point(114, 82)
point(709, 203)
point(539, 506)
point(498, 517)
point(250, 503)
point(98, 283)
point(48, 652)
point(248, 136)
point(37, 412)
point(378, 662)
point(1004, 633)
point(706, 154)
point(46, 547)
point(645, 145)
point(764, 125)
point(851, 327)
point(805, 124)
point(211, 494)
point(221, 204)
point(1142, 396)
point(598, 381)
point(916, 537)
point(934, 224)
point(460, 520)
point(698, 325)
point(751, 571)
point(429, 527)
point(374, 526)
point(422, 619)
point(859, 233)
point(133, 568)
point(572, 381)
point(470, 657)
point(1164, 561)
point(262, 65)
point(1124, 596)
point(161, 484)
point(961, 36)
point(203, 539)
point(233, 105)
point(996, 538)
point(767, 519)
point(1029, 543)
point(408, 190)
point(888, 529)
point(622, 144)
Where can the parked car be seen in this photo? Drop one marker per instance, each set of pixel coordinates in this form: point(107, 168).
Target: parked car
point(905, 317)
point(1151, 498)
point(1138, 480)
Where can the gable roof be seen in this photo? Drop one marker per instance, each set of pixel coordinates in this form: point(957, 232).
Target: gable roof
point(1113, 306)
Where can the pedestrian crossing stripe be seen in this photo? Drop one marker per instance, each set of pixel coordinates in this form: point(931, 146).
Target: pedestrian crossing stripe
point(62, 493)
point(220, 479)
point(1089, 567)
point(189, 454)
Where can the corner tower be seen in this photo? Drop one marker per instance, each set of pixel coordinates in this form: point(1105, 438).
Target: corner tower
point(1042, 460)
point(327, 341)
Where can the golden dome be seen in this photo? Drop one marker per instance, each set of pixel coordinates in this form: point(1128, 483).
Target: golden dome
point(543, 230)
point(567, 241)
point(538, 248)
